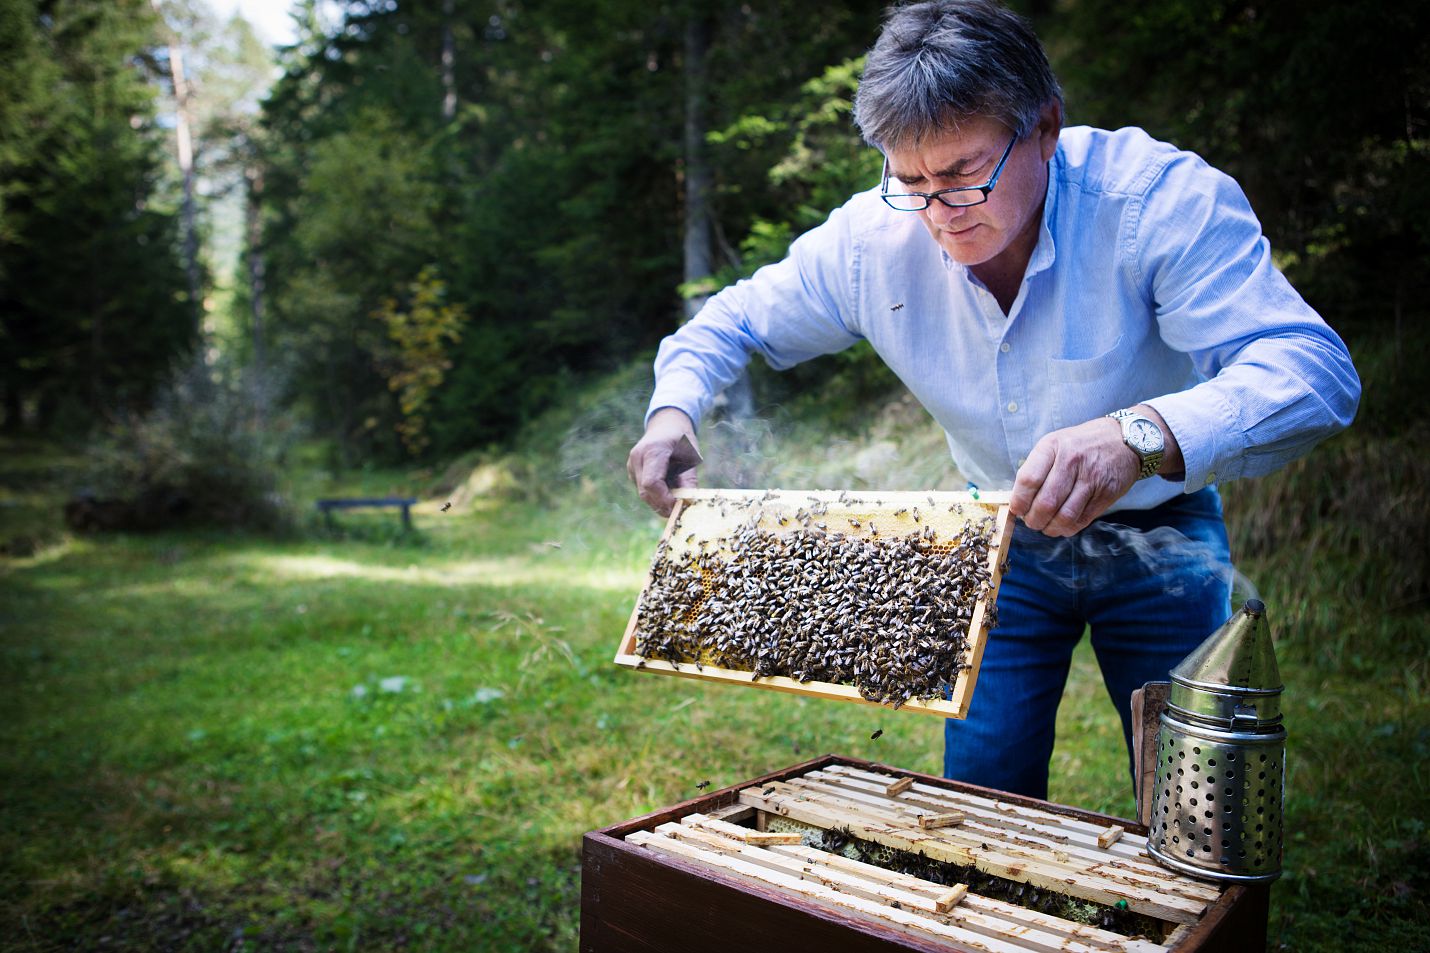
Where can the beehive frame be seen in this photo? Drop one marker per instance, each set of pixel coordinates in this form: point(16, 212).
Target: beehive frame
point(711, 516)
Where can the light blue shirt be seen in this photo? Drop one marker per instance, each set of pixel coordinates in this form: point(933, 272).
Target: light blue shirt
point(1151, 282)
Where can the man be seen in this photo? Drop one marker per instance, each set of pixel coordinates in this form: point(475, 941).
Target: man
point(1094, 319)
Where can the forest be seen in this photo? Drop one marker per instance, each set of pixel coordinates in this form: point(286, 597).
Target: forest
point(427, 248)
point(444, 217)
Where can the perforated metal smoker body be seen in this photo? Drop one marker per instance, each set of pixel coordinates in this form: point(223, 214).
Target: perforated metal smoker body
point(1217, 808)
point(1218, 798)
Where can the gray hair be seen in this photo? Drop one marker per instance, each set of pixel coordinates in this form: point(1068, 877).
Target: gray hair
point(938, 63)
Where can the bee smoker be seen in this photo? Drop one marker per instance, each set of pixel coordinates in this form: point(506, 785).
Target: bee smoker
point(1221, 753)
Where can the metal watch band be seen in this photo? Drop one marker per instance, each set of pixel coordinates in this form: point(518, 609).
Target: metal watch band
point(1149, 462)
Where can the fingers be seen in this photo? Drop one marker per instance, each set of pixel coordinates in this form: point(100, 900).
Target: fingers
point(647, 466)
point(1070, 478)
point(1059, 500)
point(1030, 477)
point(1072, 512)
point(649, 461)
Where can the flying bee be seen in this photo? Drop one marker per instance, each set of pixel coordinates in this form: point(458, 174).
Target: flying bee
point(446, 506)
point(897, 306)
point(702, 785)
point(876, 734)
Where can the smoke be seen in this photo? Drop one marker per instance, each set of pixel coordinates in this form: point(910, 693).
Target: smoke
point(901, 449)
point(1098, 556)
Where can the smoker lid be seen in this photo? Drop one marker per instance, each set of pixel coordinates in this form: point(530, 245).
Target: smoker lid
point(1238, 657)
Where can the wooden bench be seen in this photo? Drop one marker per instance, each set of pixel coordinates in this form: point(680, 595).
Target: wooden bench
point(326, 507)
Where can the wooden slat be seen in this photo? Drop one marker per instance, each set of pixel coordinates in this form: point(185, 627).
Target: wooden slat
point(1067, 825)
point(1073, 836)
point(1002, 812)
point(946, 845)
point(1041, 838)
point(860, 882)
point(1013, 915)
point(805, 870)
point(882, 913)
point(948, 819)
point(951, 899)
point(745, 835)
point(1046, 859)
point(899, 787)
point(626, 650)
point(962, 694)
point(1043, 863)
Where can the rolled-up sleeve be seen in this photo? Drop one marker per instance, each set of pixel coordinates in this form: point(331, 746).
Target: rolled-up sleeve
point(1276, 378)
point(787, 312)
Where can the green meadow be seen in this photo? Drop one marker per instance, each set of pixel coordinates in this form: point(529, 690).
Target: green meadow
point(358, 738)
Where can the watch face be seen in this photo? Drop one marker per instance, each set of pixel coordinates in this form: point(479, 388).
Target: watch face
point(1144, 436)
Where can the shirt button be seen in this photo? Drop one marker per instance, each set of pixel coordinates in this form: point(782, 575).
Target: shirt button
point(1005, 347)
point(1012, 406)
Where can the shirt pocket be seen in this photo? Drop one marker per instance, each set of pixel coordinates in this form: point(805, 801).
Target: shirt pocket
point(1089, 387)
point(1090, 369)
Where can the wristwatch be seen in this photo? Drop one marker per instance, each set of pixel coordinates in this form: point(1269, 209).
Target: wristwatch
point(1145, 439)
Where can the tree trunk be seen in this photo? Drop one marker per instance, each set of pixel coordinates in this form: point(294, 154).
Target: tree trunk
point(699, 259)
point(449, 83)
point(254, 230)
point(737, 400)
point(185, 148)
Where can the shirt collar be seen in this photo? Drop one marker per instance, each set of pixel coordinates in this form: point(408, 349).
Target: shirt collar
point(1045, 251)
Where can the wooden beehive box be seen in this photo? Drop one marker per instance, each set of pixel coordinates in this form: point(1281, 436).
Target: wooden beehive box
point(716, 527)
point(716, 874)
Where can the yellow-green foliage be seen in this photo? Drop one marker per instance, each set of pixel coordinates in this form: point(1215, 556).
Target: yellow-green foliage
point(421, 335)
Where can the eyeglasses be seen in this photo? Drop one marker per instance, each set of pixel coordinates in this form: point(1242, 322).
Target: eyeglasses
point(918, 201)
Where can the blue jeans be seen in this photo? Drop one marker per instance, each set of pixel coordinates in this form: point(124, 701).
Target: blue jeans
point(1151, 585)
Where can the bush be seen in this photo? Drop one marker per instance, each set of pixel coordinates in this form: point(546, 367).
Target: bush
point(203, 456)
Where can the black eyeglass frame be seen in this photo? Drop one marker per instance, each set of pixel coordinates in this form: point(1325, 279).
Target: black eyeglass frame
point(928, 197)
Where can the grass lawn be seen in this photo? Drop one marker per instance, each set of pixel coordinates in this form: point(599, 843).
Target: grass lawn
point(367, 740)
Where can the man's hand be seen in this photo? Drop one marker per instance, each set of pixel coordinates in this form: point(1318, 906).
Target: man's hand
point(649, 460)
point(1073, 475)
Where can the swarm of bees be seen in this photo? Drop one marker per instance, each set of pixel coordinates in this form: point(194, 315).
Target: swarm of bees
point(887, 614)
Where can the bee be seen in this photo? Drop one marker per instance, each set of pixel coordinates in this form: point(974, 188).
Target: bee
point(876, 734)
point(446, 506)
point(853, 522)
point(897, 306)
point(702, 785)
